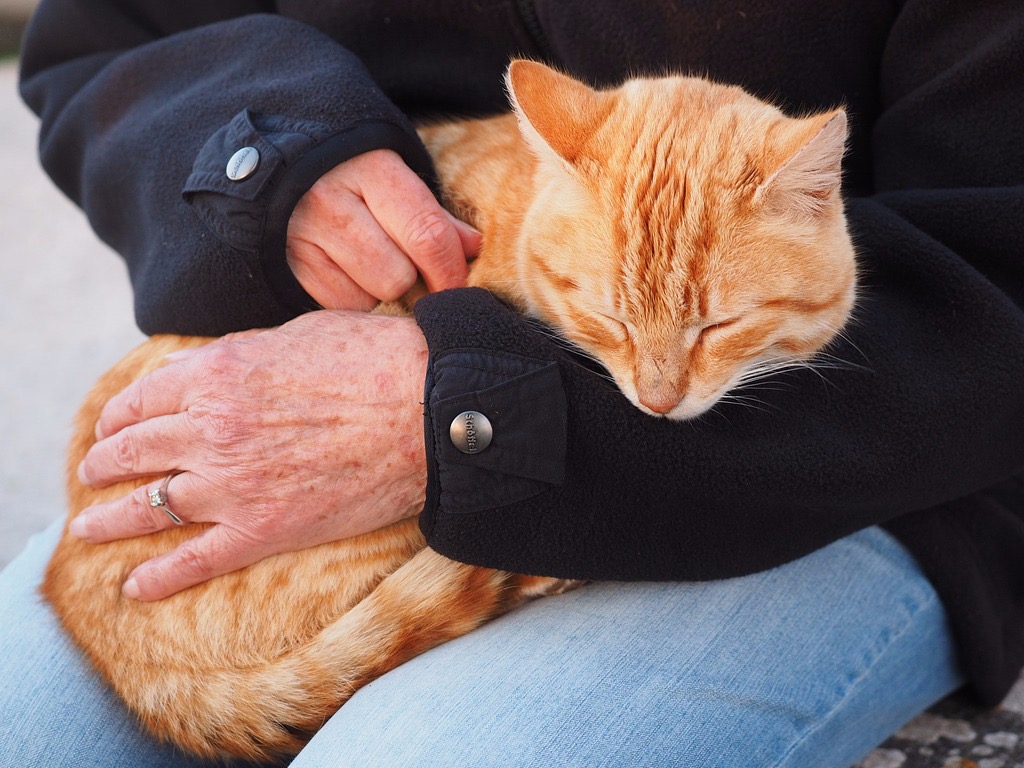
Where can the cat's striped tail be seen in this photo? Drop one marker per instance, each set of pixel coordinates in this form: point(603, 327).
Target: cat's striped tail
point(272, 710)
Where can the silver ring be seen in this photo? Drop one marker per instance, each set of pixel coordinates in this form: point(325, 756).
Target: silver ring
point(158, 499)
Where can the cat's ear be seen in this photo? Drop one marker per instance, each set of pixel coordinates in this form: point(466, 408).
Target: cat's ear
point(811, 167)
point(557, 114)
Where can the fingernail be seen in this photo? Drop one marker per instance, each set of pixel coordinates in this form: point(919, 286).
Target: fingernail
point(131, 589)
point(465, 225)
point(81, 473)
point(77, 527)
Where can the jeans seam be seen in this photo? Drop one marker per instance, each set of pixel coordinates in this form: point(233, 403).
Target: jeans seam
point(918, 607)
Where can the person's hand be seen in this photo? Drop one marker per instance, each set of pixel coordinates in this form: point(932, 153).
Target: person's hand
point(367, 228)
point(285, 439)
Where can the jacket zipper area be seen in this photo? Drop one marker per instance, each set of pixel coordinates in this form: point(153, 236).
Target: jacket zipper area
point(528, 14)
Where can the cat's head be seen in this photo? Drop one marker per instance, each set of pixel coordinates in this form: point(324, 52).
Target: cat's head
point(685, 233)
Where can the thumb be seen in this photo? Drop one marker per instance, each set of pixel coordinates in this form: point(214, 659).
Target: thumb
point(469, 237)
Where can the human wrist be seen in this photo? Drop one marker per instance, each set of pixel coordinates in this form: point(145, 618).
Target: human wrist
point(396, 356)
point(407, 358)
point(412, 364)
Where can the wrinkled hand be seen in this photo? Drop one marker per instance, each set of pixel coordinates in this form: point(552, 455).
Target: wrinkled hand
point(366, 228)
point(285, 439)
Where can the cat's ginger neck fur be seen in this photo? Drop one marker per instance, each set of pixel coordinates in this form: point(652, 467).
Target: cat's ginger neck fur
point(494, 170)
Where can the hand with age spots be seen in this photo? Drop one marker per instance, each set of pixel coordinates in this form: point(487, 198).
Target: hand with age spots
point(368, 228)
point(284, 438)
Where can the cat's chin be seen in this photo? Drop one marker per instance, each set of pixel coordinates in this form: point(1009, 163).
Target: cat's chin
point(687, 408)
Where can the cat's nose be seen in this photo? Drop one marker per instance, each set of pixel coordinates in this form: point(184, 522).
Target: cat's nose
point(659, 399)
point(661, 383)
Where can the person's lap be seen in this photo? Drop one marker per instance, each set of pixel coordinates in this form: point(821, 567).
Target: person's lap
point(56, 711)
point(809, 664)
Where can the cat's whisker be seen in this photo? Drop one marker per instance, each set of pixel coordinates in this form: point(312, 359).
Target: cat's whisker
point(808, 365)
point(748, 402)
point(818, 363)
point(742, 395)
point(845, 337)
point(769, 370)
point(766, 369)
point(575, 349)
point(768, 385)
point(714, 411)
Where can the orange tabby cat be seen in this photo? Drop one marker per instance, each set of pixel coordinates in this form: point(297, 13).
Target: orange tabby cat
point(682, 233)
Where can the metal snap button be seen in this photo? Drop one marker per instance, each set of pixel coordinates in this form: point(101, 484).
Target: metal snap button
point(243, 163)
point(471, 432)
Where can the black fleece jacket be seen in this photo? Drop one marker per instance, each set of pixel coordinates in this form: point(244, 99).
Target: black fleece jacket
point(921, 430)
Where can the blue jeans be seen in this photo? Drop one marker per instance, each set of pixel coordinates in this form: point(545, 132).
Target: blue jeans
point(809, 664)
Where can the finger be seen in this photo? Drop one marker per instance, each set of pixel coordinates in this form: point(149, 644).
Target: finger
point(159, 393)
point(166, 390)
point(412, 217)
point(334, 218)
point(181, 355)
point(214, 552)
point(134, 515)
point(469, 236)
point(369, 256)
point(348, 234)
point(156, 446)
point(324, 280)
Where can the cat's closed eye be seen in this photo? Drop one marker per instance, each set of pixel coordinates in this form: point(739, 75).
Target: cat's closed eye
point(619, 329)
point(721, 325)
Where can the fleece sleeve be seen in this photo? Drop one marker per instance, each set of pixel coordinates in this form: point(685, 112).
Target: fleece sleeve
point(143, 105)
point(921, 403)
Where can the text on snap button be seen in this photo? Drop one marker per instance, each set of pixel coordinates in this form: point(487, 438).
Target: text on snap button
point(471, 432)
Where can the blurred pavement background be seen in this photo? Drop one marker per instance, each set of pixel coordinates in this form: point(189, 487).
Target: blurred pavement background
point(65, 316)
